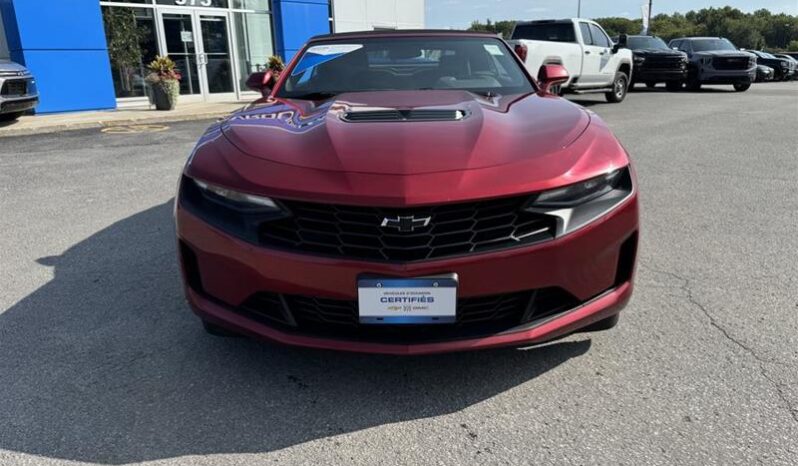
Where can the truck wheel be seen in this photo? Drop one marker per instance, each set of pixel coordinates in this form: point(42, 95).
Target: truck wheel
point(10, 116)
point(619, 88)
point(693, 85)
point(673, 86)
point(742, 87)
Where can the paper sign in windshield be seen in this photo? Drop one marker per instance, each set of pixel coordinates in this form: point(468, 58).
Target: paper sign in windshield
point(319, 54)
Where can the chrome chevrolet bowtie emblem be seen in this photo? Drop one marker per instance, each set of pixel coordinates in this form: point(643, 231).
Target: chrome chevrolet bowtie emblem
point(405, 224)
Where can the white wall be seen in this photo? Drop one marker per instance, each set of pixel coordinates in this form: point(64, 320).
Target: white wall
point(366, 15)
point(3, 44)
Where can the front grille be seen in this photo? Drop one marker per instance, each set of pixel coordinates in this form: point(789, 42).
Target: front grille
point(730, 63)
point(371, 116)
point(18, 87)
point(668, 63)
point(453, 229)
point(476, 316)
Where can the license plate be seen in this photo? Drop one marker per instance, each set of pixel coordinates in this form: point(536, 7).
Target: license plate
point(426, 300)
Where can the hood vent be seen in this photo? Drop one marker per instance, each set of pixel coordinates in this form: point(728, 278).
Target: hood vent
point(372, 116)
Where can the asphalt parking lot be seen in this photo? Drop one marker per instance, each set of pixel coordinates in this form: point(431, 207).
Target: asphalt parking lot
point(102, 362)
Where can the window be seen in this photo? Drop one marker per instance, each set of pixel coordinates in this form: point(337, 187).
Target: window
point(556, 32)
point(253, 33)
point(600, 39)
point(646, 42)
point(706, 45)
point(132, 44)
point(585, 28)
point(405, 63)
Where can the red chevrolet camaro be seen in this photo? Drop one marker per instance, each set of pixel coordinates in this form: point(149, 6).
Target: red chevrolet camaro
point(408, 193)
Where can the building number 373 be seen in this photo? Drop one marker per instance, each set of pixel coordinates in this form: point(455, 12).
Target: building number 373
point(194, 2)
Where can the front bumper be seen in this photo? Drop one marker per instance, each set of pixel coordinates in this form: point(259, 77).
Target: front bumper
point(649, 75)
point(709, 75)
point(588, 264)
point(21, 104)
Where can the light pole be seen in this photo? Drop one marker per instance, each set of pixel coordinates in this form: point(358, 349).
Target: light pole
point(579, 9)
point(650, 6)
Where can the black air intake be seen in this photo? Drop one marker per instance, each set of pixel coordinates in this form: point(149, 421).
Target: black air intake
point(364, 116)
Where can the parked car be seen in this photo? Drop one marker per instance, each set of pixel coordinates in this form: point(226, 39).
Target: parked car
point(781, 66)
point(18, 92)
point(594, 63)
point(407, 208)
point(715, 60)
point(655, 62)
point(793, 64)
point(764, 73)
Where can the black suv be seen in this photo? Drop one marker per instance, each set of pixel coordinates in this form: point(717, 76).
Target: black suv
point(715, 60)
point(655, 62)
point(782, 69)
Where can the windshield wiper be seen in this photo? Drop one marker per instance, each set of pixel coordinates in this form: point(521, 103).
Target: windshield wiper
point(314, 96)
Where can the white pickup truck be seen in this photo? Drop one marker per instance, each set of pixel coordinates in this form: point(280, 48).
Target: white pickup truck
point(593, 61)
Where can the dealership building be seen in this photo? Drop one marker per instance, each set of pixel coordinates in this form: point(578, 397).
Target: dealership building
point(92, 54)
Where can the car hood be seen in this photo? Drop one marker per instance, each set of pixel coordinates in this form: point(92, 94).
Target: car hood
point(8, 65)
point(724, 53)
point(476, 132)
point(657, 53)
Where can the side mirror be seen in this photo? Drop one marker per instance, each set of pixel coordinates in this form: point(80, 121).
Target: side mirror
point(551, 75)
point(261, 81)
point(621, 44)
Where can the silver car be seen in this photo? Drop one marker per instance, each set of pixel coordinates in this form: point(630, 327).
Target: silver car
point(18, 92)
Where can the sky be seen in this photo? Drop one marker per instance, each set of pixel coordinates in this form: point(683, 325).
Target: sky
point(459, 14)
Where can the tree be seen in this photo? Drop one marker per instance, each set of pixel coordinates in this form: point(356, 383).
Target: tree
point(505, 28)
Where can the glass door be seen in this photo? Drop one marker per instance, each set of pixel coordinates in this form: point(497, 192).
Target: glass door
point(199, 43)
point(181, 45)
point(216, 57)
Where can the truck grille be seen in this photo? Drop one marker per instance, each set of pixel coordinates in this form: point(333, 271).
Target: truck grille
point(406, 234)
point(730, 63)
point(476, 316)
point(17, 87)
point(669, 63)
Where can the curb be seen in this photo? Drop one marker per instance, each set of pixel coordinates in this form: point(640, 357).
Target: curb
point(101, 123)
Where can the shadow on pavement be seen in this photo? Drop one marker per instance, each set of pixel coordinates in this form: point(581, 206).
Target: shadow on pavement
point(105, 363)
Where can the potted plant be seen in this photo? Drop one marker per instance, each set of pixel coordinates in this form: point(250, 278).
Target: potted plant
point(164, 79)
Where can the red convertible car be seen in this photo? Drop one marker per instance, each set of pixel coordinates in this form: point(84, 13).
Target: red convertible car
point(408, 193)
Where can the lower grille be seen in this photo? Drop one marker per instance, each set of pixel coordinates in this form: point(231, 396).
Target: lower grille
point(406, 234)
point(663, 63)
point(730, 63)
point(14, 88)
point(479, 316)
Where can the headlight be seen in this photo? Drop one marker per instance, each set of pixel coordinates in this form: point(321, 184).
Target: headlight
point(578, 204)
point(706, 60)
point(751, 61)
point(245, 200)
point(639, 59)
point(236, 213)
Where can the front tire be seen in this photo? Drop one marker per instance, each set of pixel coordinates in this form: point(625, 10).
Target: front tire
point(742, 87)
point(673, 86)
point(10, 116)
point(619, 88)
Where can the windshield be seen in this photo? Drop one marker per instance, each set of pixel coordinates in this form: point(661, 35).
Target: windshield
point(553, 32)
point(480, 65)
point(707, 45)
point(646, 42)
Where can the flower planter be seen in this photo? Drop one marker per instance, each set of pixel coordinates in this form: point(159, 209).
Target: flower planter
point(165, 94)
